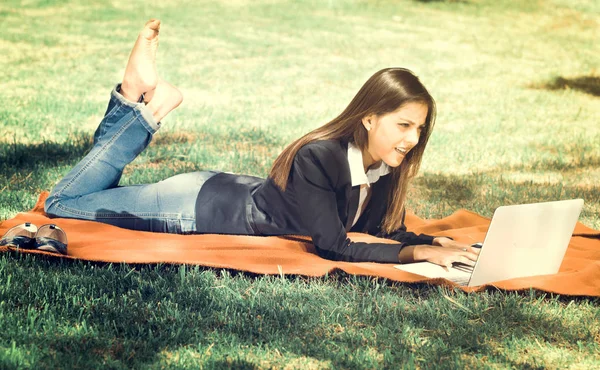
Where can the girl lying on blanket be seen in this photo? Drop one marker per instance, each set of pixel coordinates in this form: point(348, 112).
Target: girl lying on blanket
point(349, 175)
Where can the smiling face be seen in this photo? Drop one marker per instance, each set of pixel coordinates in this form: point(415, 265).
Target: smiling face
point(393, 135)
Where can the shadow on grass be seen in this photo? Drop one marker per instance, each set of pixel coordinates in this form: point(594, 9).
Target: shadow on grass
point(567, 162)
point(573, 157)
point(145, 331)
point(587, 84)
point(22, 159)
point(18, 157)
point(453, 188)
point(30, 168)
point(561, 172)
point(163, 311)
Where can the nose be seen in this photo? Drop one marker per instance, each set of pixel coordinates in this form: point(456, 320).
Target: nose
point(412, 137)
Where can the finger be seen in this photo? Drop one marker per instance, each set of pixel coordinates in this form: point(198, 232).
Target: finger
point(471, 256)
point(471, 253)
point(472, 250)
point(466, 261)
point(464, 248)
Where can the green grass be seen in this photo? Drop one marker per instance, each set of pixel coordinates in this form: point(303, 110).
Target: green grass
point(89, 315)
point(517, 86)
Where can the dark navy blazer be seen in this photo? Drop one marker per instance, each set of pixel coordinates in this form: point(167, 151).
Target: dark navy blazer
point(319, 201)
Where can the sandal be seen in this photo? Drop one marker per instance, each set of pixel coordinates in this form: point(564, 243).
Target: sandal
point(51, 238)
point(20, 236)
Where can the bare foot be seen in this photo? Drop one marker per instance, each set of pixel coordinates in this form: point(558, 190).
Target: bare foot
point(140, 73)
point(163, 99)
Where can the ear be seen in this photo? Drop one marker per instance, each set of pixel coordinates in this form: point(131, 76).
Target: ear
point(366, 121)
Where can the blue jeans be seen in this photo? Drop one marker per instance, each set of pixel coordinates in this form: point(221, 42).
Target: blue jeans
point(90, 190)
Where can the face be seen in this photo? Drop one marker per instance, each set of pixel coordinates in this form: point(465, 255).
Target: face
point(393, 135)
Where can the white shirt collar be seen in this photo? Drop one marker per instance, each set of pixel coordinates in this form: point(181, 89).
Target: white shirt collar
point(357, 172)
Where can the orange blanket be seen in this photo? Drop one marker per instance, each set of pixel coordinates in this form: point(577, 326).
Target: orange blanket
point(579, 273)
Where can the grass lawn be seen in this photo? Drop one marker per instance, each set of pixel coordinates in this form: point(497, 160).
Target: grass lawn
point(518, 92)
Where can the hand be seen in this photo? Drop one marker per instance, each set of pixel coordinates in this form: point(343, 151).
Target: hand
point(449, 243)
point(444, 252)
point(468, 255)
point(446, 256)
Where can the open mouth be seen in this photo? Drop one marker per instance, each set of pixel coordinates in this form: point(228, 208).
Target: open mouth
point(401, 151)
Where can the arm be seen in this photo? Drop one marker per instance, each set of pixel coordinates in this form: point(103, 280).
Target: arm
point(407, 237)
point(427, 248)
point(313, 177)
point(443, 256)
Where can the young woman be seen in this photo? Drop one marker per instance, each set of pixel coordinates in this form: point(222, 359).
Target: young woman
point(348, 175)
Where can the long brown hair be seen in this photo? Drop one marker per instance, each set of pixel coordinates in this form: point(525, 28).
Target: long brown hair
point(384, 92)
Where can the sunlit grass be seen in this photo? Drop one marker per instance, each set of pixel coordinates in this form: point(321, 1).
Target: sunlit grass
point(517, 90)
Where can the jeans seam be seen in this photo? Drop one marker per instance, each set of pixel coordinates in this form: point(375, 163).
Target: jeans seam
point(101, 151)
point(110, 114)
point(161, 215)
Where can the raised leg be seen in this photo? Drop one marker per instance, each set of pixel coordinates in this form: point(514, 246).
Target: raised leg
point(141, 79)
point(140, 74)
point(125, 131)
point(163, 99)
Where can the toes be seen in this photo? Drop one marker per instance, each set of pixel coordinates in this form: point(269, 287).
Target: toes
point(151, 29)
point(153, 24)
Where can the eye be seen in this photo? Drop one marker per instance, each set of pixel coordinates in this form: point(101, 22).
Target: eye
point(406, 125)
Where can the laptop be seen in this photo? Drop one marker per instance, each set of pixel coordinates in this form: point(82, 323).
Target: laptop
point(522, 240)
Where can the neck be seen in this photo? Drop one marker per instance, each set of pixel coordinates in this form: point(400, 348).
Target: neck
point(368, 161)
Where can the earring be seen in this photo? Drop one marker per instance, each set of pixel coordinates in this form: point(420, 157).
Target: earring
point(368, 129)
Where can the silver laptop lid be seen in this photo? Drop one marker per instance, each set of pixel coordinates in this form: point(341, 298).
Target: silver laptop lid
point(526, 240)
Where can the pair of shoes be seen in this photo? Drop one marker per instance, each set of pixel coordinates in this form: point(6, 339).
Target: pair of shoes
point(48, 237)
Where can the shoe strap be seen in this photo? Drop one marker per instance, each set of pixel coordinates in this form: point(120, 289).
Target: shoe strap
point(43, 241)
point(19, 241)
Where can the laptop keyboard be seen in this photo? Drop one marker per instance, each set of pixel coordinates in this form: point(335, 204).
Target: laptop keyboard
point(463, 279)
